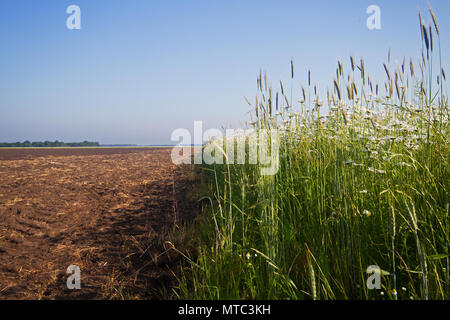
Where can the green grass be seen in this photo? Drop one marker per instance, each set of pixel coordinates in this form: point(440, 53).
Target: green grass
point(364, 183)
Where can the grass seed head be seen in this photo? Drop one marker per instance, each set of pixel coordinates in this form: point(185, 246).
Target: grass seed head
point(425, 35)
point(434, 19)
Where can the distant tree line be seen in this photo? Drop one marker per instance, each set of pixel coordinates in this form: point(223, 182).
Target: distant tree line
point(47, 144)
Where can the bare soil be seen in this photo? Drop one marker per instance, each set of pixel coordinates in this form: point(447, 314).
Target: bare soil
point(109, 211)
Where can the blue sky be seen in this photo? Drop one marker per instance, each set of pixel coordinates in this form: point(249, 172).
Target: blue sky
point(139, 69)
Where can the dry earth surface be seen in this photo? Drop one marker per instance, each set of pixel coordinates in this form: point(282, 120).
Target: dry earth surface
point(107, 210)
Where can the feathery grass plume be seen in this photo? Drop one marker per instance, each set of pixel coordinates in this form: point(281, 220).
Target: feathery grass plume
point(265, 81)
point(270, 101)
point(387, 71)
point(401, 78)
point(388, 87)
point(396, 89)
point(362, 70)
point(376, 89)
point(354, 89)
point(392, 224)
point(256, 107)
point(312, 278)
point(340, 67)
point(282, 88)
point(421, 24)
point(411, 67)
point(363, 93)
point(434, 19)
point(349, 92)
point(315, 90)
point(292, 68)
point(276, 103)
point(286, 100)
point(352, 63)
point(309, 78)
point(430, 30)
point(263, 109)
point(399, 74)
point(391, 88)
point(403, 66)
point(425, 35)
point(337, 89)
point(443, 74)
point(304, 94)
point(389, 55)
point(260, 81)
point(344, 116)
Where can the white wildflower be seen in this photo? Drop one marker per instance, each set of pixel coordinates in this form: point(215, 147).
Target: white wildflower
point(376, 170)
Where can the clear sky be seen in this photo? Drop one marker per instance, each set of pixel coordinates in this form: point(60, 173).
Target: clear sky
point(138, 69)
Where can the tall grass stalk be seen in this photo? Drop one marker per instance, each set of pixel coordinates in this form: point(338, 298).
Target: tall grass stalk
point(362, 181)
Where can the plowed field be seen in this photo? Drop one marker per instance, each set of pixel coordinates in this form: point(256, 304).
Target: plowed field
point(107, 210)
